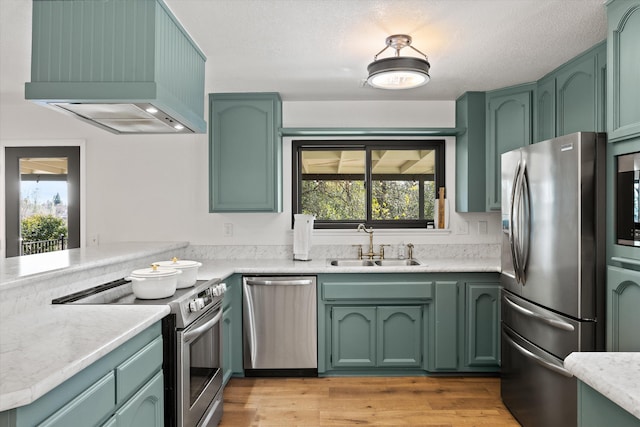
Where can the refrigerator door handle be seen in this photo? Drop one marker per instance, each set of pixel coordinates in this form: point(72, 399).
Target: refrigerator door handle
point(513, 232)
point(549, 321)
point(541, 361)
point(525, 216)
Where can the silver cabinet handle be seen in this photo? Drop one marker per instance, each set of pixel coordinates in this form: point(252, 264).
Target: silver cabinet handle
point(293, 282)
point(544, 363)
point(550, 321)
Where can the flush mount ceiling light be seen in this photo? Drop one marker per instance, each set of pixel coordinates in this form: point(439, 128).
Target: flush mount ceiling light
point(398, 72)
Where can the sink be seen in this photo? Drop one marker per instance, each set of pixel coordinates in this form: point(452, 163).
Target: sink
point(371, 263)
point(352, 263)
point(397, 262)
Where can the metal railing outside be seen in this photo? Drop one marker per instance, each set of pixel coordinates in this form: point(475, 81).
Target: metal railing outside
point(42, 246)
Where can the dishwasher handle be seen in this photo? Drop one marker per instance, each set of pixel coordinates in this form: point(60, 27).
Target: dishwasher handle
point(279, 282)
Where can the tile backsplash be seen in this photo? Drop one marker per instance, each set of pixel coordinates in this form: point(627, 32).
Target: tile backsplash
point(423, 251)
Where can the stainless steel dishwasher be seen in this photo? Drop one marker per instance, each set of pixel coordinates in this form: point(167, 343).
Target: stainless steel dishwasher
point(280, 326)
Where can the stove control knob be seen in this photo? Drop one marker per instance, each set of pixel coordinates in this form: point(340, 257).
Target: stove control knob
point(224, 287)
point(216, 291)
point(196, 305)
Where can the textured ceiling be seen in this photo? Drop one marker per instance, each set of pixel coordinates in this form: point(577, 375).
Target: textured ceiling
point(320, 49)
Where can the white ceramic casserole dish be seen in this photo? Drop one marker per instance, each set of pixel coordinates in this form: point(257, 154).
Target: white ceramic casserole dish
point(154, 282)
point(189, 271)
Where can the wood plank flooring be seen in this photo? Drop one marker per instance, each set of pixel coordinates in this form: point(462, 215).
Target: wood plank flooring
point(372, 401)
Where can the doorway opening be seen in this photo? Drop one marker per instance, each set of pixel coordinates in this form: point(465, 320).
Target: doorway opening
point(42, 205)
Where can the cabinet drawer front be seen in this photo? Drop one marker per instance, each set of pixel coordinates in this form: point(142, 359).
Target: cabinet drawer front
point(381, 290)
point(89, 408)
point(137, 370)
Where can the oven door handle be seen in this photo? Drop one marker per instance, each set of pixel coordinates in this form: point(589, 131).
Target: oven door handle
point(192, 335)
point(546, 364)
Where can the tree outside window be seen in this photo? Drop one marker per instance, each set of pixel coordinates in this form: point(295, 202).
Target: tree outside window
point(389, 184)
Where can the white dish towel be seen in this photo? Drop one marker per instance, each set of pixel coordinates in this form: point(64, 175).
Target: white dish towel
point(302, 231)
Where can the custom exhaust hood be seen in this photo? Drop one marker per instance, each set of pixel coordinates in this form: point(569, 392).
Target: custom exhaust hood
point(127, 66)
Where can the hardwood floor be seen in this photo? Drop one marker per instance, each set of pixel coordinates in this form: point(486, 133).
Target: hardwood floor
point(379, 401)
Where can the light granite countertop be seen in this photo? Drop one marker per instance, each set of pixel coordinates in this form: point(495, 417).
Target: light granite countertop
point(40, 350)
point(614, 375)
point(223, 268)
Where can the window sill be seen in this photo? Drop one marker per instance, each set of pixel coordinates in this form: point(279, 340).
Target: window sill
point(387, 232)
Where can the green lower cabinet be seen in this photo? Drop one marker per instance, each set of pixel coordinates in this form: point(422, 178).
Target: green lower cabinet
point(482, 325)
point(399, 336)
point(380, 336)
point(382, 324)
point(623, 316)
point(227, 344)
point(353, 337)
point(123, 388)
point(145, 408)
point(596, 410)
point(444, 347)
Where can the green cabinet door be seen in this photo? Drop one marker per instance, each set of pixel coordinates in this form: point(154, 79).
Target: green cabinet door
point(471, 153)
point(545, 109)
point(444, 349)
point(623, 69)
point(596, 410)
point(227, 344)
point(623, 309)
point(580, 93)
point(353, 333)
point(245, 164)
point(399, 332)
point(482, 323)
point(146, 407)
point(232, 328)
point(508, 127)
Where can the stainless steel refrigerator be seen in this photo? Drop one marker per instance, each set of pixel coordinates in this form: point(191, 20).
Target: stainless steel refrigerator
point(553, 272)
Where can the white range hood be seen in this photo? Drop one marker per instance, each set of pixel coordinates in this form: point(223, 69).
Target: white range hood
point(127, 66)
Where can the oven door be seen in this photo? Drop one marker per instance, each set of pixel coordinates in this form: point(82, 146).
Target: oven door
point(199, 373)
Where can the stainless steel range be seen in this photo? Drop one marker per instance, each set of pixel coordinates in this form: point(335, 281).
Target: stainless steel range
point(192, 336)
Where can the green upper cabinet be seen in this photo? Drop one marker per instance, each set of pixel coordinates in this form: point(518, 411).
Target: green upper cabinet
point(571, 98)
point(470, 153)
point(508, 127)
point(545, 109)
point(623, 57)
point(245, 149)
point(580, 93)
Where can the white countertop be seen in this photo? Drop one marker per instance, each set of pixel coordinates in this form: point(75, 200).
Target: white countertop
point(614, 375)
point(224, 268)
point(17, 271)
point(42, 348)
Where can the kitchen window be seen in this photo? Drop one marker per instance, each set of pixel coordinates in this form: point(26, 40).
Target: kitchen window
point(382, 183)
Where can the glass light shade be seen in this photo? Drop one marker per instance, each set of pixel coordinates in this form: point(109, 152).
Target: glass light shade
point(398, 73)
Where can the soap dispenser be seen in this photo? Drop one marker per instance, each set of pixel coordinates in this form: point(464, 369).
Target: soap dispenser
point(401, 251)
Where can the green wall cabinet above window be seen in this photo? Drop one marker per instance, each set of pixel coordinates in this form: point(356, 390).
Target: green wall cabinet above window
point(245, 152)
point(623, 57)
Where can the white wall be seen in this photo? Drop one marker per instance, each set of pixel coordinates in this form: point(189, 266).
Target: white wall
point(146, 187)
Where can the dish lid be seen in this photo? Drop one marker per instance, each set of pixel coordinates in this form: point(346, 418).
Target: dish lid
point(154, 271)
point(176, 263)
